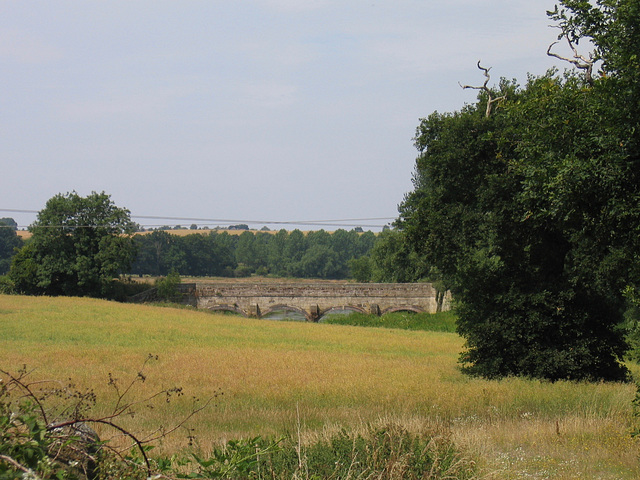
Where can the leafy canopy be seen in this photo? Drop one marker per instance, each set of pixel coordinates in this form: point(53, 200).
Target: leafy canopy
point(78, 245)
point(532, 214)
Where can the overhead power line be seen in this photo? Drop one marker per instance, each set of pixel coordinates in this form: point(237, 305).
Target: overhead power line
point(342, 222)
point(17, 211)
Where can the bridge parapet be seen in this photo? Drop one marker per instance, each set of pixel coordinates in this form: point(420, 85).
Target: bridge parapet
point(316, 299)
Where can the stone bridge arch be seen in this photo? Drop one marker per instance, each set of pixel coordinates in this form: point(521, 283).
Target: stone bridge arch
point(228, 308)
point(314, 299)
point(328, 311)
point(406, 308)
point(285, 308)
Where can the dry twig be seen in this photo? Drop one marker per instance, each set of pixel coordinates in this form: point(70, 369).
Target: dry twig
point(579, 61)
point(487, 90)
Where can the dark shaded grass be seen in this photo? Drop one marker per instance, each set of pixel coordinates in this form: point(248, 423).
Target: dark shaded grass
point(430, 322)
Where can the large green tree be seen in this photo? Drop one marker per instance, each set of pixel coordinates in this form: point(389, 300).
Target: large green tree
point(532, 212)
point(78, 245)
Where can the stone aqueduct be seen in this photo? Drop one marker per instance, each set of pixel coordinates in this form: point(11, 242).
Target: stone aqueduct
point(312, 299)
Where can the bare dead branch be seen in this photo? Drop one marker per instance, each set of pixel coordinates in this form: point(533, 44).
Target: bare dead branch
point(30, 473)
point(140, 377)
point(485, 73)
point(180, 424)
point(491, 100)
point(140, 444)
point(579, 61)
point(26, 387)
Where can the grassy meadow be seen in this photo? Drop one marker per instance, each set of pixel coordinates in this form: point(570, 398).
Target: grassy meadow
point(314, 379)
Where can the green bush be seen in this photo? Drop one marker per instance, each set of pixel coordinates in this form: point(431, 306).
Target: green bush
point(242, 271)
point(168, 287)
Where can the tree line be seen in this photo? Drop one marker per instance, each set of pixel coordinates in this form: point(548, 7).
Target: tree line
point(316, 254)
point(78, 246)
point(362, 256)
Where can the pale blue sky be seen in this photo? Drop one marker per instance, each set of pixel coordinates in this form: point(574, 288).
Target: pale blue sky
point(265, 110)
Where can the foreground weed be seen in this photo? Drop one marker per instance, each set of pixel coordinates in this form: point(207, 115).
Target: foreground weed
point(385, 453)
point(236, 459)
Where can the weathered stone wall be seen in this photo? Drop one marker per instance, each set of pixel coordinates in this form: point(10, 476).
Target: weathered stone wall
point(315, 299)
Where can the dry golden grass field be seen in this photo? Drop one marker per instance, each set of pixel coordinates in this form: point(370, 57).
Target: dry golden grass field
point(280, 377)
